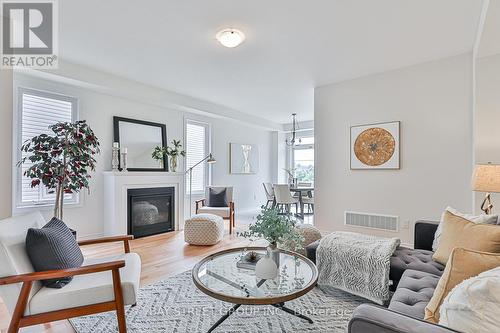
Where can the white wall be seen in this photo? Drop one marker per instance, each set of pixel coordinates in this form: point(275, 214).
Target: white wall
point(433, 101)
point(98, 108)
point(5, 142)
point(487, 117)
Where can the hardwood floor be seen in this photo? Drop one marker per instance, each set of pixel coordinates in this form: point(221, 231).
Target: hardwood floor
point(162, 256)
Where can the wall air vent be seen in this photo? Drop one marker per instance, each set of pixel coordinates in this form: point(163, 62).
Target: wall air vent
point(372, 221)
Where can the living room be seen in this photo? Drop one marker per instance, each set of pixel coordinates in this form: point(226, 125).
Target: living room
point(320, 142)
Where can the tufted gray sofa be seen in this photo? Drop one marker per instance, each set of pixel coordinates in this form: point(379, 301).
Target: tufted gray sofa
point(415, 276)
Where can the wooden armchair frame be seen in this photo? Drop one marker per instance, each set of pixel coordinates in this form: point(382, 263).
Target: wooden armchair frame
point(231, 212)
point(20, 320)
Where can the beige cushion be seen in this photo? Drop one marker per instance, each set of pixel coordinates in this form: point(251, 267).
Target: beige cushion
point(14, 259)
point(459, 232)
point(90, 288)
point(219, 211)
point(481, 219)
point(474, 305)
point(463, 264)
point(204, 229)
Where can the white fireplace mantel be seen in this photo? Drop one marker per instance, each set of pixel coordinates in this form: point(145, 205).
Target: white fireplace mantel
point(116, 185)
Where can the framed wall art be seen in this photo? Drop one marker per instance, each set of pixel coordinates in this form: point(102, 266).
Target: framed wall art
point(244, 158)
point(375, 146)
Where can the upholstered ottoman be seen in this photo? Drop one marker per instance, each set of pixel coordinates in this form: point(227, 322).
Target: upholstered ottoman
point(204, 229)
point(310, 233)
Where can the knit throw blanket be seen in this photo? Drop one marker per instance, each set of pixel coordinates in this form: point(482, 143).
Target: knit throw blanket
point(356, 263)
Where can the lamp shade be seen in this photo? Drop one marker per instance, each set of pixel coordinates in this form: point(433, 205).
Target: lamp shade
point(211, 159)
point(486, 178)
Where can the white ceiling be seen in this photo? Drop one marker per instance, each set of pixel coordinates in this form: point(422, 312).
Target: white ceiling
point(291, 47)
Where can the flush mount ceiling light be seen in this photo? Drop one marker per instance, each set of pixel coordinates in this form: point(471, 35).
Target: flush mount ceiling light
point(230, 37)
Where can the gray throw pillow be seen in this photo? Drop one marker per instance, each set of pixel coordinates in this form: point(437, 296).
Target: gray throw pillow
point(217, 199)
point(53, 247)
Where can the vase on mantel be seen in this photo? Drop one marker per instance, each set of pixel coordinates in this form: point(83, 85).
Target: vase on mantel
point(173, 163)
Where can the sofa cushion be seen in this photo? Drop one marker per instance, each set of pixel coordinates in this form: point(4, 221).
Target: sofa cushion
point(463, 264)
point(90, 288)
point(480, 219)
point(460, 232)
point(414, 292)
point(474, 304)
point(418, 260)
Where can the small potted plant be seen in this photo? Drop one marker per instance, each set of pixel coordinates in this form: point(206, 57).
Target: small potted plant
point(278, 230)
point(159, 154)
point(174, 152)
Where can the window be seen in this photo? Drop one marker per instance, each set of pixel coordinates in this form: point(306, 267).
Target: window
point(37, 111)
point(303, 159)
point(197, 148)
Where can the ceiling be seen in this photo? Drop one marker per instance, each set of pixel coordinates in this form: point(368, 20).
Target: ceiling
point(291, 47)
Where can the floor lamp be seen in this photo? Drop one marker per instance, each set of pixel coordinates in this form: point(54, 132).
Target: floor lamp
point(210, 159)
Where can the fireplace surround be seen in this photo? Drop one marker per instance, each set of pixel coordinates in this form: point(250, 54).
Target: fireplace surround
point(116, 207)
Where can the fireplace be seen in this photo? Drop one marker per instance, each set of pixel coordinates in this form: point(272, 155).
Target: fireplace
point(150, 211)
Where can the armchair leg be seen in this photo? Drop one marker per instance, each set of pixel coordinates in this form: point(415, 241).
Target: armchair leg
point(120, 307)
point(20, 307)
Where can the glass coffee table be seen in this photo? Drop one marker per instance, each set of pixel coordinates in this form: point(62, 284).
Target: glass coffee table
point(218, 276)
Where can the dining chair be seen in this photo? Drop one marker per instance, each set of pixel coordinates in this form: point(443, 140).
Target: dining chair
point(268, 188)
point(309, 201)
point(284, 199)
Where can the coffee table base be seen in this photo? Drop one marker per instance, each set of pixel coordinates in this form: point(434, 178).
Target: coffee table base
point(280, 306)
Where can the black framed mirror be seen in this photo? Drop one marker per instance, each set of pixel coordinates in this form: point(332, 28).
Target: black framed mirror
point(140, 138)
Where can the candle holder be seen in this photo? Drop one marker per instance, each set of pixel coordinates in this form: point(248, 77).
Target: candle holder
point(123, 162)
point(115, 160)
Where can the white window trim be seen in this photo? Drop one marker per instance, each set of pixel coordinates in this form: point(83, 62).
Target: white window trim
point(208, 149)
point(17, 206)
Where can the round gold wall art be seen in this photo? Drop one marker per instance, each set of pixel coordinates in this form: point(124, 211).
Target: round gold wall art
point(374, 146)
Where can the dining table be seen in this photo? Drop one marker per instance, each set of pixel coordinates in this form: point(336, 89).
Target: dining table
point(302, 191)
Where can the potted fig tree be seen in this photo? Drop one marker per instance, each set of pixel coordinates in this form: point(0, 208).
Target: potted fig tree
point(61, 161)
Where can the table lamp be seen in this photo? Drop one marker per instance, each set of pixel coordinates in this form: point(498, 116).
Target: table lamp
point(486, 178)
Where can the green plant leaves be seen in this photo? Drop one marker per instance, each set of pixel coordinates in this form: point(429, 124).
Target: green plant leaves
point(63, 158)
point(275, 228)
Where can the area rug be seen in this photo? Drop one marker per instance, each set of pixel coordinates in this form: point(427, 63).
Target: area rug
point(176, 305)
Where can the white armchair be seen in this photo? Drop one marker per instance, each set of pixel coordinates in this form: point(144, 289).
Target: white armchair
point(227, 213)
point(106, 284)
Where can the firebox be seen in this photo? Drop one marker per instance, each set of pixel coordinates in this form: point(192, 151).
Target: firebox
point(150, 211)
